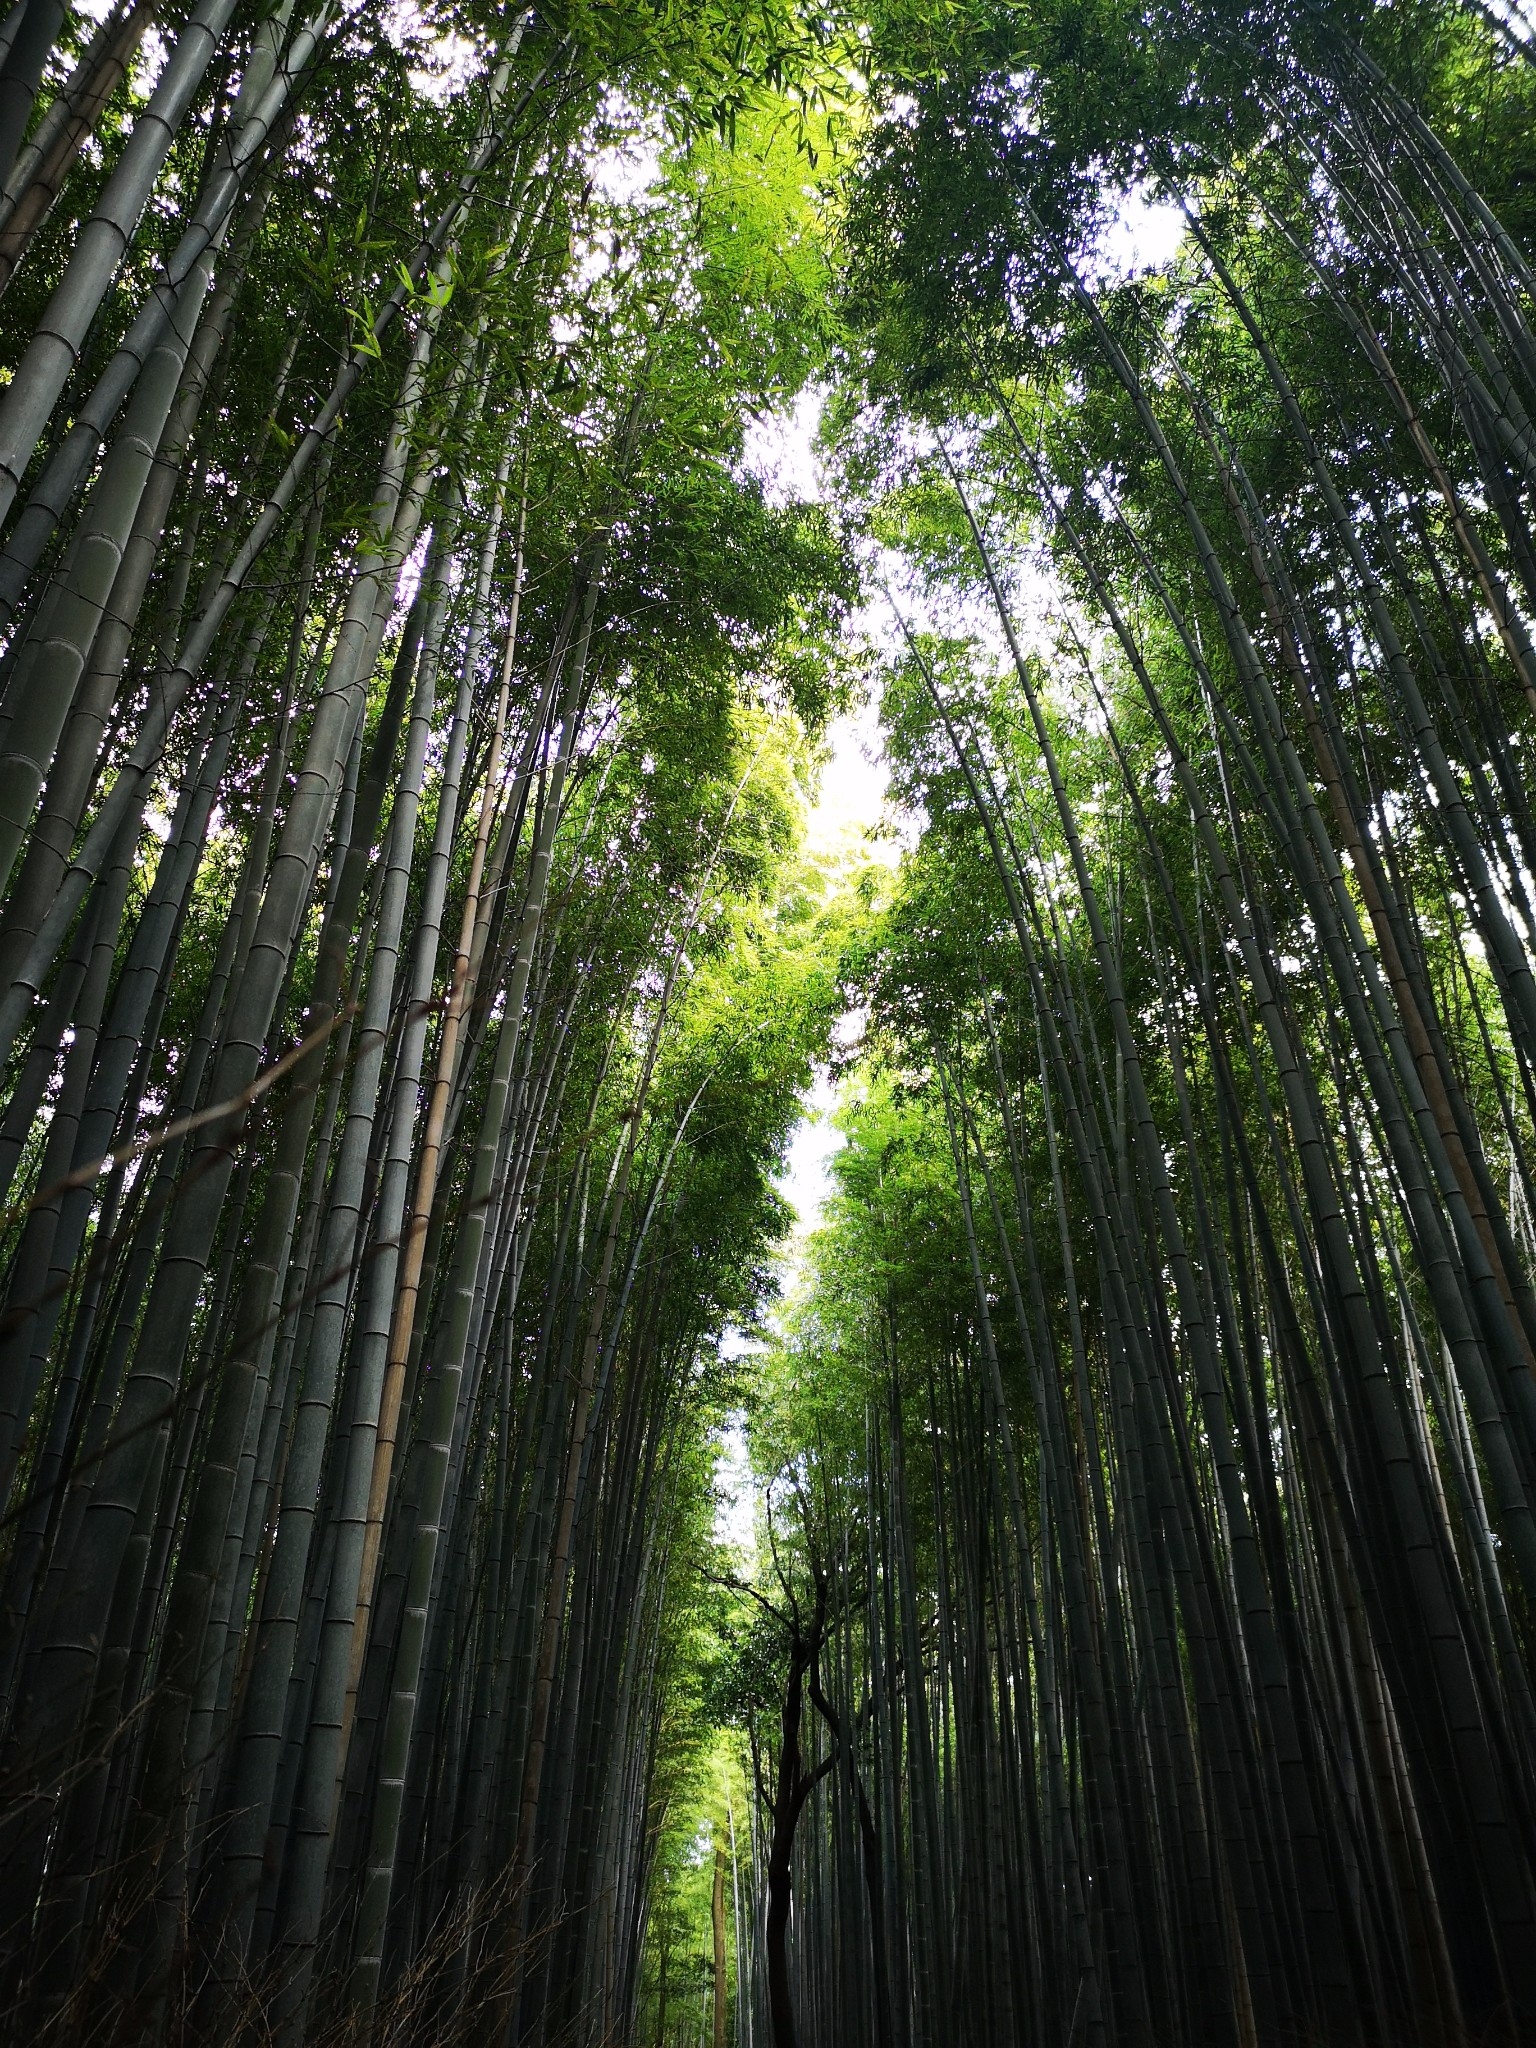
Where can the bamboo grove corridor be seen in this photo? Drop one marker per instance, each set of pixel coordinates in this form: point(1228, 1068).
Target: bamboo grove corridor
point(476, 1571)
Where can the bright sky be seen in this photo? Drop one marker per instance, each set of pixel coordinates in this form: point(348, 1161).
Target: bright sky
point(850, 805)
point(1143, 235)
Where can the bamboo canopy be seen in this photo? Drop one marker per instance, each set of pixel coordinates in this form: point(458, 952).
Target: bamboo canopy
point(419, 660)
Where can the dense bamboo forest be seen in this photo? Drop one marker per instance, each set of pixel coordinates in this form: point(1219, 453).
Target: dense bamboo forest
point(473, 1568)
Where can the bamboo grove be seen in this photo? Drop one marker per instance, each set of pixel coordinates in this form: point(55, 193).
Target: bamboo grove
point(406, 698)
point(1141, 1646)
point(413, 971)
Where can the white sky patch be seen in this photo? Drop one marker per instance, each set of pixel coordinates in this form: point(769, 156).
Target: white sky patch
point(452, 62)
point(456, 62)
point(848, 819)
point(735, 1496)
point(1144, 235)
point(847, 822)
point(623, 172)
point(148, 63)
point(1519, 20)
point(780, 451)
point(411, 572)
point(806, 1181)
point(849, 813)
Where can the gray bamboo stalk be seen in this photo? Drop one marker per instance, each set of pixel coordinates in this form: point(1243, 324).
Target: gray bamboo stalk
point(131, 1463)
point(311, 1829)
point(37, 177)
point(101, 245)
point(77, 761)
point(128, 787)
point(60, 640)
point(403, 1316)
point(21, 73)
point(443, 1392)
